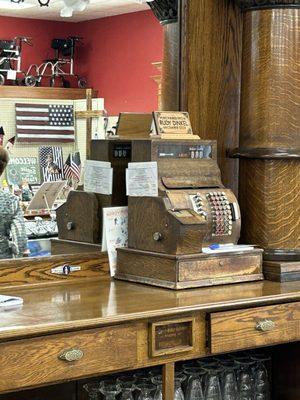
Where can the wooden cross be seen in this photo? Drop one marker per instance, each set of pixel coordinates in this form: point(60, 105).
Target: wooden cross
point(89, 114)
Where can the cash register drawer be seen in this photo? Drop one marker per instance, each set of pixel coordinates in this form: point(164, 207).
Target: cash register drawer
point(62, 357)
point(262, 326)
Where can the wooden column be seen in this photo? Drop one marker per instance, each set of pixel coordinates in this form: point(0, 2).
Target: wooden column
point(201, 73)
point(168, 381)
point(167, 12)
point(211, 76)
point(270, 126)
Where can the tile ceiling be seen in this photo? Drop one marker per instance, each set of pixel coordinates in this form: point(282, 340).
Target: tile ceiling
point(96, 9)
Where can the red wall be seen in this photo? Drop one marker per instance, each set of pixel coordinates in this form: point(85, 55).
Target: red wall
point(116, 57)
point(42, 32)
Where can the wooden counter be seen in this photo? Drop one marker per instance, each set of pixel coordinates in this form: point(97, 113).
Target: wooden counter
point(94, 304)
point(70, 331)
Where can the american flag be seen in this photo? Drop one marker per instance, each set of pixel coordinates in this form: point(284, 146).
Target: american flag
point(51, 163)
point(72, 167)
point(45, 123)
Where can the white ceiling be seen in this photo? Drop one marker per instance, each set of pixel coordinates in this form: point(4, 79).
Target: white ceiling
point(96, 9)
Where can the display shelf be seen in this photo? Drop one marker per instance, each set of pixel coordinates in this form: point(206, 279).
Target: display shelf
point(8, 92)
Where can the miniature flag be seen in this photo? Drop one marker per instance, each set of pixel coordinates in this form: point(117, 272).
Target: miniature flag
point(45, 123)
point(72, 167)
point(10, 144)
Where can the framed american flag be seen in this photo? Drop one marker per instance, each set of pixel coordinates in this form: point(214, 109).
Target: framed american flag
point(38, 123)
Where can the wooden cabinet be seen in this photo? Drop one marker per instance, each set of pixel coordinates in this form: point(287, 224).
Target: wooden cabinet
point(253, 327)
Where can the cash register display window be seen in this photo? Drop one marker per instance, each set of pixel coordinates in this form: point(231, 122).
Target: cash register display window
point(184, 151)
point(122, 150)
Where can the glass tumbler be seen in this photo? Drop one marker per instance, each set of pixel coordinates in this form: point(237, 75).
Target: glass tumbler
point(245, 378)
point(158, 382)
point(146, 390)
point(178, 392)
point(127, 385)
point(194, 390)
point(110, 389)
point(212, 383)
point(229, 385)
point(93, 390)
point(261, 378)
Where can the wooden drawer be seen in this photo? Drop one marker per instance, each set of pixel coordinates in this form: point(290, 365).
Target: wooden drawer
point(262, 326)
point(33, 362)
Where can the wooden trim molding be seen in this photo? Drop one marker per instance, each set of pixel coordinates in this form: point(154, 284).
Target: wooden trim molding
point(263, 153)
point(15, 92)
point(260, 4)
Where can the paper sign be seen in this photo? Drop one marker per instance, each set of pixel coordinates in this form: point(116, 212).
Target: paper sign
point(114, 233)
point(98, 177)
point(142, 179)
point(11, 74)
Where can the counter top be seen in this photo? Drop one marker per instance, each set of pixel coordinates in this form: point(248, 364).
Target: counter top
point(68, 307)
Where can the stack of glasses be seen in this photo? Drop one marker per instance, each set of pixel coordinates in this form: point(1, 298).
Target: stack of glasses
point(229, 377)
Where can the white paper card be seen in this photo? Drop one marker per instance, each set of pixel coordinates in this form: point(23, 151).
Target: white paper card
point(114, 233)
point(98, 177)
point(142, 179)
point(11, 75)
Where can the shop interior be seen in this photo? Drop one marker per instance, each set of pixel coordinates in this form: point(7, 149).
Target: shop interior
point(149, 200)
point(120, 33)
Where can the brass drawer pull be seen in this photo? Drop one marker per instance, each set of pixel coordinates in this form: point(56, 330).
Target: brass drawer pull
point(71, 355)
point(265, 325)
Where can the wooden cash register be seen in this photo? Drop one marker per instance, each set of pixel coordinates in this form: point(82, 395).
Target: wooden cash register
point(168, 233)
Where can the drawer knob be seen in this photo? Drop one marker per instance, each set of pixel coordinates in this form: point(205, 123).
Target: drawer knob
point(265, 325)
point(71, 355)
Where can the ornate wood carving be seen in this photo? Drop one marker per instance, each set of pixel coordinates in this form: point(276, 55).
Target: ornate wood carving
point(166, 11)
point(254, 4)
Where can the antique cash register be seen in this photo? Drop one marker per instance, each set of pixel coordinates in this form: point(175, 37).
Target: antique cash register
point(178, 239)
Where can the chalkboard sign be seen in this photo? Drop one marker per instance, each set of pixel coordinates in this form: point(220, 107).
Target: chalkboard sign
point(20, 168)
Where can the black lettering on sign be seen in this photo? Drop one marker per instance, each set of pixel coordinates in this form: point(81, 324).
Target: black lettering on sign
point(172, 336)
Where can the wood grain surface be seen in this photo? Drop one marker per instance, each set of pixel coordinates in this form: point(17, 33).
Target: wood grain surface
point(104, 350)
point(43, 93)
point(236, 330)
point(60, 308)
point(211, 75)
point(270, 203)
point(168, 381)
point(188, 271)
point(59, 246)
point(37, 270)
point(270, 101)
point(171, 68)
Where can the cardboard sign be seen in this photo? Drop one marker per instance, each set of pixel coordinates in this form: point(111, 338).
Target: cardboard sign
point(20, 168)
point(172, 125)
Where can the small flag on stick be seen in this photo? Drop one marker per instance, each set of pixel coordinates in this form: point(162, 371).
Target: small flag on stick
point(72, 167)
